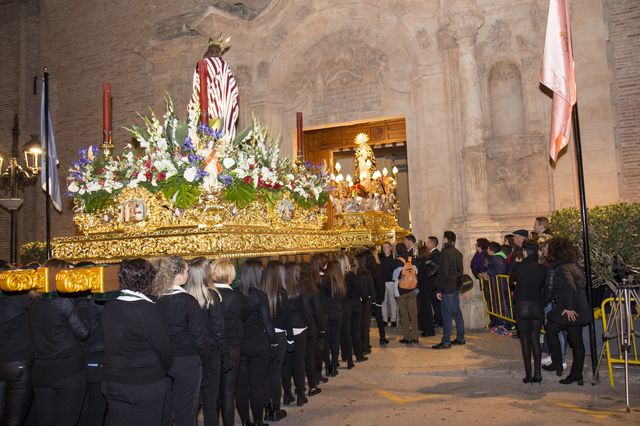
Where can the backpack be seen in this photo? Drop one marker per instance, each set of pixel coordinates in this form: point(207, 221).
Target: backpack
point(408, 279)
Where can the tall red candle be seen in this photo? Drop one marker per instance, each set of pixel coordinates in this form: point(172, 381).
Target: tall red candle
point(204, 99)
point(106, 113)
point(299, 146)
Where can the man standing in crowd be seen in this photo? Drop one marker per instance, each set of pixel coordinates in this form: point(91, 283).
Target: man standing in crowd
point(410, 242)
point(432, 280)
point(448, 291)
point(541, 226)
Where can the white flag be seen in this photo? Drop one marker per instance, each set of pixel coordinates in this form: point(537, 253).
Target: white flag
point(54, 182)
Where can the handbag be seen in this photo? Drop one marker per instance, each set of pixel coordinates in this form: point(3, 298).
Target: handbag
point(465, 283)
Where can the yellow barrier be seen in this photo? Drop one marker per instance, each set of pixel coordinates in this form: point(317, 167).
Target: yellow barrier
point(496, 299)
point(618, 358)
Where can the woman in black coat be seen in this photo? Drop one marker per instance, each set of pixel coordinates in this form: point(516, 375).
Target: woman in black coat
point(350, 317)
point(216, 360)
point(257, 347)
point(59, 370)
point(309, 279)
point(137, 350)
point(566, 290)
point(529, 277)
point(334, 291)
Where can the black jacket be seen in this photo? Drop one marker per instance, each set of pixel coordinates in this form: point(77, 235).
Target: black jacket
point(281, 316)
point(185, 325)
point(259, 320)
point(529, 278)
point(365, 288)
point(565, 287)
point(334, 304)
point(235, 309)
point(450, 269)
point(319, 314)
point(91, 312)
point(56, 332)
point(214, 319)
point(428, 271)
point(378, 285)
point(15, 342)
point(137, 349)
point(387, 266)
point(300, 311)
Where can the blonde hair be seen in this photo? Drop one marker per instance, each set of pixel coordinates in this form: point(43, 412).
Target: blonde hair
point(167, 268)
point(199, 284)
point(345, 262)
point(223, 271)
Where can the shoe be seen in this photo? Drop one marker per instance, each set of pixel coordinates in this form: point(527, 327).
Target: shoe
point(546, 360)
point(383, 341)
point(250, 424)
point(334, 372)
point(537, 378)
point(394, 324)
point(269, 413)
point(323, 379)
point(350, 364)
point(301, 400)
point(277, 414)
point(427, 334)
point(441, 346)
point(568, 380)
point(527, 379)
point(328, 370)
point(314, 391)
point(405, 341)
point(361, 359)
point(551, 367)
point(415, 341)
point(288, 398)
point(367, 351)
point(458, 342)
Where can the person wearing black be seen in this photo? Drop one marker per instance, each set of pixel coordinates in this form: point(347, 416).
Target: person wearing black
point(319, 262)
point(334, 292)
point(387, 265)
point(350, 321)
point(362, 295)
point(300, 316)
point(235, 310)
point(373, 265)
point(309, 279)
point(16, 390)
point(258, 346)
point(216, 358)
point(448, 293)
point(432, 280)
point(529, 277)
point(566, 290)
point(137, 350)
point(59, 372)
point(427, 270)
point(189, 339)
point(272, 283)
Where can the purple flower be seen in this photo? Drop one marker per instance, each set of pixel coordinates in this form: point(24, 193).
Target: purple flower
point(225, 179)
point(188, 145)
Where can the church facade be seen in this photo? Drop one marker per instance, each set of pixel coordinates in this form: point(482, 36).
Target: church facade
point(463, 74)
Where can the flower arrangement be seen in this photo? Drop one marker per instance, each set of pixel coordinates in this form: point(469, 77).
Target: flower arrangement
point(181, 160)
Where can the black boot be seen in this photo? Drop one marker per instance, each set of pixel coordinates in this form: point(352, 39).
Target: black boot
point(314, 391)
point(328, 370)
point(301, 398)
point(334, 371)
point(268, 412)
point(350, 364)
point(278, 414)
point(288, 398)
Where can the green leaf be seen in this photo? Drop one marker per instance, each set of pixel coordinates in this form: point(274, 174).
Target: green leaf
point(240, 136)
point(240, 193)
point(181, 133)
point(271, 197)
point(180, 192)
point(98, 200)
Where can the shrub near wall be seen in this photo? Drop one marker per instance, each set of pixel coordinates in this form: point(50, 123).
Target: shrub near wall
point(614, 231)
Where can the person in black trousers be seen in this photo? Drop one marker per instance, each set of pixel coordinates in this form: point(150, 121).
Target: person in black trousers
point(319, 262)
point(137, 350)
point(356, 294)
point(200, 285)
point(334, 291)
point(565, 288)
point(363, 274)
point(59, 370)
point(528, 277)
point(257, 347)
point(300, 316)
point(309, 279)
point(16, 390)
point(427, 270)
point(272, 283)
point(347, 332)
point(234, 307)
point(189, 339)
point(373, 265)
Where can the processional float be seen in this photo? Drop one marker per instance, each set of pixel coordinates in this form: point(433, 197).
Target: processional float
point(196, 188)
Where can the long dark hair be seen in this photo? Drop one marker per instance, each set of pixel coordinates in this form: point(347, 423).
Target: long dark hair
point(561, 249)
point(319, 261)
point(292, 280)
point(336, 279)
point(309, 278)
point(362, 267)
point(136, 275)
point(271, 282)
point(251, 273)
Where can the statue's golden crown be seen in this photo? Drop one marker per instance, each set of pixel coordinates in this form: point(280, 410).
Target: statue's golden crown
point(220, 40)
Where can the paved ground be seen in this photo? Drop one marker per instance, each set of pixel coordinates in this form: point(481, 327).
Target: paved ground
point(479, 383)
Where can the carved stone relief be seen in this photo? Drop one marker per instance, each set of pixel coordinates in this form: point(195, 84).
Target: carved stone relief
point(500, 36)
point(422, 36)
point(245, 9)
point(243, 75)
point(398, 9)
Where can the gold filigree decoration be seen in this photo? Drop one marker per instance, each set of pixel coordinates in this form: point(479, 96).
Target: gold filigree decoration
point(26, 279)
point(97, 279)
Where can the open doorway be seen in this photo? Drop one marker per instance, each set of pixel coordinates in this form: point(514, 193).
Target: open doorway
point(388, 141)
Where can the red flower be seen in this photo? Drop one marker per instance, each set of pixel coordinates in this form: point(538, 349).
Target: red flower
point(161, 176)
point(247, 179)
point(277, 185)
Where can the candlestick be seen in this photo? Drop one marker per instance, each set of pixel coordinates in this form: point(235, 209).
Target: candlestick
point(204, 98)
point(338, 166)
point(299, 145)
point(394, 170)
point(107, 144)
point(385, 172)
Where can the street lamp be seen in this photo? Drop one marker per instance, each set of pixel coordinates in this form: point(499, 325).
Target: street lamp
point(14, 178)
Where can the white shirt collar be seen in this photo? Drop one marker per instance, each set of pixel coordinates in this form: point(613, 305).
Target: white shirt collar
point(176, 289)
point(220, 285)
point(133, 296)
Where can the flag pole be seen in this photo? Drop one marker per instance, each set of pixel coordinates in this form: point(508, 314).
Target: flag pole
point(47, 193)
point(585, 236)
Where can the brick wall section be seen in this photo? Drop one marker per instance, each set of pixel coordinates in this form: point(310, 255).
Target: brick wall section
point(624, 33)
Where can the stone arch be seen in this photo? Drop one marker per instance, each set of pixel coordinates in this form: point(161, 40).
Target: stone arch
point(505, 97)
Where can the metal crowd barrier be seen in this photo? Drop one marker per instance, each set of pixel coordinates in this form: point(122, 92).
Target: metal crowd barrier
point(496, 299)
point(613, 346)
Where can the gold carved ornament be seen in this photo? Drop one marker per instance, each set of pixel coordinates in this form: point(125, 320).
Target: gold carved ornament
point(40, 280)
point(97, 279)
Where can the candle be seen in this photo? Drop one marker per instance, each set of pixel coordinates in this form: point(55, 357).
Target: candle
point(106, 113)
point(204, 99)
point(299, 146)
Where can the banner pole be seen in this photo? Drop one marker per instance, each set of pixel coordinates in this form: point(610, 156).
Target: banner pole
point(46, 164)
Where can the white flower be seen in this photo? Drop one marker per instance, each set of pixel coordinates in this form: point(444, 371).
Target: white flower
point(73, 187)
point(228, 163)
point(190, 174)
point(162, 144)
